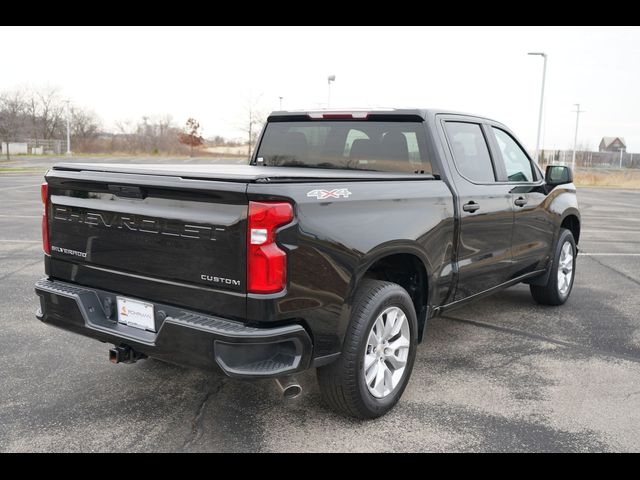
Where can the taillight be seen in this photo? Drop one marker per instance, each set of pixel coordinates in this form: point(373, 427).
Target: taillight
point(44, 193)
point(266, 262)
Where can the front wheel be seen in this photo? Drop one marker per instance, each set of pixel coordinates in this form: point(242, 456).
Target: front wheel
point(378, 353)
point(563, 269)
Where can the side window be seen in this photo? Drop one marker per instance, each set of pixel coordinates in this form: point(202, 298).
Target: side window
point(412, 147)
point(315, 138)
point(518, 165)
point(470, 151)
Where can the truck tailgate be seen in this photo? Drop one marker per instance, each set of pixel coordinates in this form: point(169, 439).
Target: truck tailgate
point(154, 236)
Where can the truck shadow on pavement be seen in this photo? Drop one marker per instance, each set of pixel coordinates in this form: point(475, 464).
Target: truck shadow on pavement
point(471, 389)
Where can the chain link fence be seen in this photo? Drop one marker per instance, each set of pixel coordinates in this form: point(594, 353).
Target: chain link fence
point(587, 159)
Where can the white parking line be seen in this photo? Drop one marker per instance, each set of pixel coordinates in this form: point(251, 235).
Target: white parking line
point(613, 202)
point(613, 217)
point(3, 240)
point(9, 177)
point(606, 230)
point(607, 241)
point(610, 254)
point(18, 187)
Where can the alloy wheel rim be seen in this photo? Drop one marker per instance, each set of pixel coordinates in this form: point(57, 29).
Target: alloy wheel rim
point(387, 351)
point(565, 269)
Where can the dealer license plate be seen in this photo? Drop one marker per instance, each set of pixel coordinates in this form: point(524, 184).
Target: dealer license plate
point(136, 314)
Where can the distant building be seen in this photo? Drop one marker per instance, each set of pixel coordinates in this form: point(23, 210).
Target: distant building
point(15, 148)
point(34, 147)
point(612, 144)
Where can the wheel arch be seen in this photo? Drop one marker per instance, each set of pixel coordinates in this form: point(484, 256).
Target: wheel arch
point(571, 221)
point(404, 264)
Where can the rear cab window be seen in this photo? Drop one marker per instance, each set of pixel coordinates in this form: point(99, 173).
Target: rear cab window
point(381, 146)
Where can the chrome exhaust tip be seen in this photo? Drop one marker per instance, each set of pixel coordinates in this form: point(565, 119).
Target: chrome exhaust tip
point(289, 386)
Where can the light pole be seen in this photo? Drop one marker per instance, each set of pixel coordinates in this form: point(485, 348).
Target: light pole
point(544, 73)
point(68, 129)
point(621, 150)
point(330, 78)
point(575, 137)
point(280, 98)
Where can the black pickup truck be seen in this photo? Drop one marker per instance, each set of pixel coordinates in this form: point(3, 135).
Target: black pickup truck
point(331, 249)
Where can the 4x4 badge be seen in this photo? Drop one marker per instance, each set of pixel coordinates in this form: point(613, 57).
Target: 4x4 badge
point(335, 193)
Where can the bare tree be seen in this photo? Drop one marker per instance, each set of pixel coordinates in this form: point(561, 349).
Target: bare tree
point(85, 127)
point(166, 130)
point(191, 135)
point(254, 118)
point(159, 133)
point(152, 134)
point(33, 113)
point(128, 133)
point(12, 116)
point(52, 111)
point(39, 116)
point(165, 124)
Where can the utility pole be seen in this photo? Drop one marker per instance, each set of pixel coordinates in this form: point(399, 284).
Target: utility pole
point(280, 98)
point(68, 128)
point(621, 150)
point(575, 136)
point(544, 74)
point(330, 78)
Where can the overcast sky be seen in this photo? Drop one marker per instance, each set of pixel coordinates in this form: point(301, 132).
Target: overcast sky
point(212, 73)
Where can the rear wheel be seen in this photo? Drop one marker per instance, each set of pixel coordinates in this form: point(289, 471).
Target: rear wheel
point(378, 354)
point(560, 283)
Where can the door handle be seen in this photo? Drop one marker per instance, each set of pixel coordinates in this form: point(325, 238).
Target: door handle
point(470, 206)
point(520, 201)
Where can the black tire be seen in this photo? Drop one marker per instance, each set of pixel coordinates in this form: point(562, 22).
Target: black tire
point(550, 293)
point(342, 383)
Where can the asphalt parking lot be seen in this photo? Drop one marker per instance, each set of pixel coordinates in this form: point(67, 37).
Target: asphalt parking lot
point(502, 375)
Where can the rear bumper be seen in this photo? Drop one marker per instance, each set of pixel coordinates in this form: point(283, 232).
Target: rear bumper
point(183, 337)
